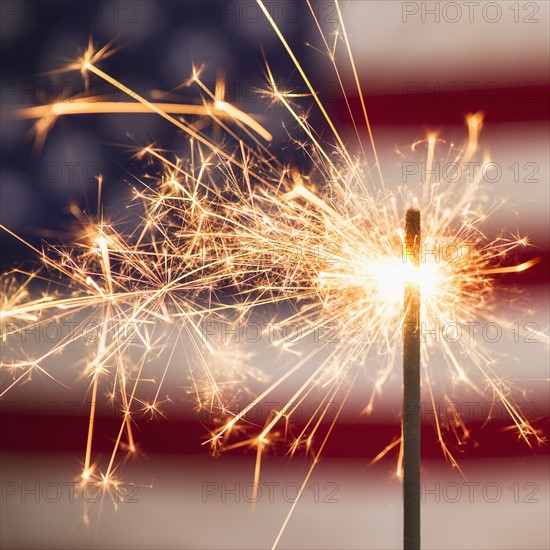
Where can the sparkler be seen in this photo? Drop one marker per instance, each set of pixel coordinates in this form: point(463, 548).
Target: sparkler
point(225, 230)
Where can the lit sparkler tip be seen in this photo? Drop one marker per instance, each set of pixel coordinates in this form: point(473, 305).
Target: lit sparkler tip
point(412, 233)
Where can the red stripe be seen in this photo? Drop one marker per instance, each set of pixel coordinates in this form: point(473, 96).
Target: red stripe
point(420, 104)
point(185, 437)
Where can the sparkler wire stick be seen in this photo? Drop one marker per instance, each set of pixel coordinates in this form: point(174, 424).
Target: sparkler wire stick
point(411, 388)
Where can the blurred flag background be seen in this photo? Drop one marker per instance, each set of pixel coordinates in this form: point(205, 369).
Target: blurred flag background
point(423, 66)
